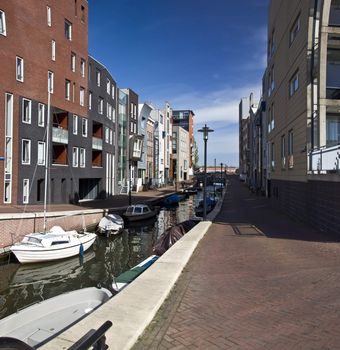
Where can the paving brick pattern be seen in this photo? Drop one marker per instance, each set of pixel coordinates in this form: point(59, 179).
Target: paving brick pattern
point(279, 290)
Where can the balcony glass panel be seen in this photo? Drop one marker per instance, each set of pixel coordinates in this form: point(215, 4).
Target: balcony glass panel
point(97, 143)
point(59, 135)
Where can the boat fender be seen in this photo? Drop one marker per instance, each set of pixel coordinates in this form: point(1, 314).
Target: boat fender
point(81, 250)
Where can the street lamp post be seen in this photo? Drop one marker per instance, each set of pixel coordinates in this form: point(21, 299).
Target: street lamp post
point(221, 174)
point(205, 130)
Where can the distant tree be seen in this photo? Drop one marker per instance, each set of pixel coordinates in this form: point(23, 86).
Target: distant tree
point(195, 157)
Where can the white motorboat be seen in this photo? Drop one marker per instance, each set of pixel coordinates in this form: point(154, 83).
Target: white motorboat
point(111, 224)
point(139, 212)
point(53, 245)
point(38, 323)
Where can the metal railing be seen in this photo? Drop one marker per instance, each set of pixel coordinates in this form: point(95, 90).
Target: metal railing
point(325, 159)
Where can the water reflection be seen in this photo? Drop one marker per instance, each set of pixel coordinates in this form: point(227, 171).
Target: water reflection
point(22, 285)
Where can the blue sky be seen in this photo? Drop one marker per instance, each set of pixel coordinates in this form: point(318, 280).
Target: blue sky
point(202, 55)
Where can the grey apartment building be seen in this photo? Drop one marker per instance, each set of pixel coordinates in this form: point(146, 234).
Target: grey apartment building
point(301, 118)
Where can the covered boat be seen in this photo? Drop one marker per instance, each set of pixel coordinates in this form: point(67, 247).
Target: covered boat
point(111, 224)
point(41, 322)
point(139, 212)
point(53, 245)
point(128, 276)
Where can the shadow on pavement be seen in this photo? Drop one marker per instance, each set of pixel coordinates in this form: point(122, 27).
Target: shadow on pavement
point(242, 210)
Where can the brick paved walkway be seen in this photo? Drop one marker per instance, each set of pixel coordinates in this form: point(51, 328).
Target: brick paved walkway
point(279, 290)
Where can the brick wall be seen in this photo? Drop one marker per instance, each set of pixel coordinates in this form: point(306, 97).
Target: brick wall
point(313, 202)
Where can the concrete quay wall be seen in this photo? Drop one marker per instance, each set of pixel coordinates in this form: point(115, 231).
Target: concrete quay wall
point(14, 226)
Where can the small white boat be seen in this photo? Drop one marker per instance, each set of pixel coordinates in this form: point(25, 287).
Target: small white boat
point(41, 322)
point(139, 212)
point(128, 276)
point(111, 224)
point(53, 245)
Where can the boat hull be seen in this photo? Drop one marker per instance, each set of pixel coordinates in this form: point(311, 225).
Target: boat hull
point(136, 217)
point(40, 322)
point(27, 253)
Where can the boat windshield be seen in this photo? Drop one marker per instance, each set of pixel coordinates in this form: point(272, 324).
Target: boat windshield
point(129, 210)
point(138, 210)
point(145, 209)
point(34, 240)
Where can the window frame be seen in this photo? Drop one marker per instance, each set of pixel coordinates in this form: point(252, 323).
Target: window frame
point(29, 143)
point(68, 30)
point(75, 124)
point(73, 62)
point(294, 29)
point(67, 90)
point(82, 67)
point(292, 83)
point(41, 111)
point(3, 20)
point(29, 121)
point(53, 49)
point(50, 81)
point(49, 16)
point(82, 96)
point(44, 153)
point(84, 124)
point(82, 157)
point(75, 157)
point(22, 69)
point(24, 194)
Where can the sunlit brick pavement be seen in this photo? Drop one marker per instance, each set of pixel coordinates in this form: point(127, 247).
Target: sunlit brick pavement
point(248, 291)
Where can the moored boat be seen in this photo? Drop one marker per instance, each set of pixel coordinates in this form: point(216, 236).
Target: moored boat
point(111, 224)
point(127, 277)
point(38, 323)
point(55, 244)
point(139, 212)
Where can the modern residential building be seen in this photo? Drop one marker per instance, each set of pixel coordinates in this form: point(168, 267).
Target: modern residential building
point(301, 119)
point(244, 121)
point(159, 144)
point(54, 55)
point(168, 176)
point(102, 102)
point(150, 156)
point(180, 153)
point(185, 119)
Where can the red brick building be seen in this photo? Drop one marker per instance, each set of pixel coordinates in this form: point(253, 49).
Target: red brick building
point(41, 41)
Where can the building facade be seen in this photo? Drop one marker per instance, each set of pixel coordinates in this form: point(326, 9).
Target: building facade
point(180, 153)
point(55, 56)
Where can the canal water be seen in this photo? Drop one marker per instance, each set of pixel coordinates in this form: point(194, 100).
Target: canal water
point(23, 285)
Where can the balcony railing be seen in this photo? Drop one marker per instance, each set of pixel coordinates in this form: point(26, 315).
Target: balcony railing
point(60, 135)
point(325, 160)
point(97, 143)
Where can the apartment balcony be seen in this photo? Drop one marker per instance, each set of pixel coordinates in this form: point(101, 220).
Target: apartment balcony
point(325, 160)
point(60, 135)
point(97, 143)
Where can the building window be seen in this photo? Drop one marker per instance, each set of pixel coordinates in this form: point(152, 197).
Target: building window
point(283, 151)
point(272, 156)
point(2, 23)
point(41, 114)
point(100, 105)
point(90, 100)
point(82, 67)
point(107, 134)
point(333, 68)
point(67, 90)
point(108, 86)
point(294, 84)
point(82, 8)
point(334, 14)
point(109, 110)
point(75, 157)
point(113, 91)
point(41, 153)
point(271, 81)
point(26, 152)
point(82, 158)
point(111, 137)
point(49, 16)
point(75, 124)
point(53, 49)
point(26, 111)
point(84, 127)
point(20, 68)
point(82, 96)
point(332, 129)
point(26, 191)
point(73, 62)
point(294, 30)
point(290, 149)
point(50, 81)
point(68, 30)
point(98, 77)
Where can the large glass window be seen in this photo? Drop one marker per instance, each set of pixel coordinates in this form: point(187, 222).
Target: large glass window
point(75, 157)
point(332, 129)
point(20, 68)
point(82, 158)
point(41, 114)
point(333, 68)
point(334, 14)
point(41, 153)
point(68, 30)
point(26, 111)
